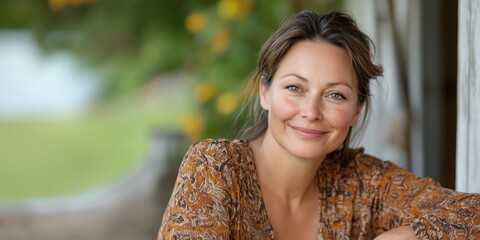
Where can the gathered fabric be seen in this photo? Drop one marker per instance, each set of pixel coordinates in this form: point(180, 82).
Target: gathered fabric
point(217, 196)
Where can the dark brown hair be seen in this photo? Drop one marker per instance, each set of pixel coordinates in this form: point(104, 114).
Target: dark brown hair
point(336, 28)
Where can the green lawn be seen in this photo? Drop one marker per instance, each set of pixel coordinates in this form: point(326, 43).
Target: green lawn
point(44, 158)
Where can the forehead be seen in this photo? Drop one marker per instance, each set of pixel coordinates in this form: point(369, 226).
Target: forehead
point(317, 59)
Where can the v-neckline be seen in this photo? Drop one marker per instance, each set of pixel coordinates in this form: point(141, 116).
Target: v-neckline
point(269, 227)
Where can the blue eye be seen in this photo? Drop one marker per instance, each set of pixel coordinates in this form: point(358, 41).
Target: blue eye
point(337, 96)
point(293, 88)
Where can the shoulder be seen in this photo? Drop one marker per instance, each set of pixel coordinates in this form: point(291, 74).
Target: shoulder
point(218, 146)
point(387, 175)
point(362, 168)
point(366, 162)
point(360, 162)
point(218, 154)
point(203, 201)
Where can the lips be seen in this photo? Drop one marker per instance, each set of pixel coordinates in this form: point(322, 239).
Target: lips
point(308, 132)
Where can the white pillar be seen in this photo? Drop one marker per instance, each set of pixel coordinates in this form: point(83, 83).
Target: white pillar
point(468, 119)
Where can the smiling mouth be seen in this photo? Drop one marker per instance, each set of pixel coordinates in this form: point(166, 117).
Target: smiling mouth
point(308, 133)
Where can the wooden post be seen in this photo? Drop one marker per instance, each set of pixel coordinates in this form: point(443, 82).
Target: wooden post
point(468, 128)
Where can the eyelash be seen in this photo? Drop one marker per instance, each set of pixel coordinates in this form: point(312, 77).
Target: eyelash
point(337, 96)
point(293, 88)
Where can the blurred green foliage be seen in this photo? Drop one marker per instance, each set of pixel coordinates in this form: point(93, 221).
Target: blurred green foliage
point(131, 42)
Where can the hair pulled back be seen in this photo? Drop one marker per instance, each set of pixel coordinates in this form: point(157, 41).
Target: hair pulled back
point(336, 28)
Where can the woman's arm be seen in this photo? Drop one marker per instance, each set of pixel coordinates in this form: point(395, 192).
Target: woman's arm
point(433, 212)
point(398, 233)
point(200, 205)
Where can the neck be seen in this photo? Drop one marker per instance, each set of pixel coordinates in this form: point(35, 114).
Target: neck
point(287, 177)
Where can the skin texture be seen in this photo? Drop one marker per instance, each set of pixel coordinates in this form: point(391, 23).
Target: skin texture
point(399, 233)
point(311, 104)
point(312, 100)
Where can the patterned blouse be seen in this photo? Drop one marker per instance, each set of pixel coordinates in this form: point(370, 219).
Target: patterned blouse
point(217, 196)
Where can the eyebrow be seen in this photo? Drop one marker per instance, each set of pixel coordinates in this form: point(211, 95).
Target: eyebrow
point(294, 75)
point(330, 84)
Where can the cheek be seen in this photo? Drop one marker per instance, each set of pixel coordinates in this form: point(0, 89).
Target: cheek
point(283, 109)
point(341, 118)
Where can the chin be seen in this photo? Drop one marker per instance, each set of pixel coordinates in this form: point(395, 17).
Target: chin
point(308, 152)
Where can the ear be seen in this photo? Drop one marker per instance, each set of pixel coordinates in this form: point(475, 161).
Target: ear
point(263, 92)
point(357, 114)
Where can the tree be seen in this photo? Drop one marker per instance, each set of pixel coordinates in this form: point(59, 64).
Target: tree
point(131, 42)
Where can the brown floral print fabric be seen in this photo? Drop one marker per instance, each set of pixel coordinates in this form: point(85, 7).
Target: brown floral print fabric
point(217, 196)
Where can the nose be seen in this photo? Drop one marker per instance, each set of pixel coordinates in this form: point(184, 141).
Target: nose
point(311, 109)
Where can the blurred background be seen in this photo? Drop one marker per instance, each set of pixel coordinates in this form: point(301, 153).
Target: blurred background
point(83, 82)
point(88, 87)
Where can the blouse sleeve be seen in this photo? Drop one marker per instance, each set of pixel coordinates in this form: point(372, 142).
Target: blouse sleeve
point(432, 211)
point(200, 205)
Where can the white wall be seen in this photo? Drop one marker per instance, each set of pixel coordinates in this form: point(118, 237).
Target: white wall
point(468, 119)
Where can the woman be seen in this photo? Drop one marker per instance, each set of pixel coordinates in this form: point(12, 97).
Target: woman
point(294, 175)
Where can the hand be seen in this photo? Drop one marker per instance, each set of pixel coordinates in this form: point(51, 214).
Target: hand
point(404, 232)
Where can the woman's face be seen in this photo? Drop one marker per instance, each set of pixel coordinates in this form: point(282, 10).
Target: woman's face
point(312, 100)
